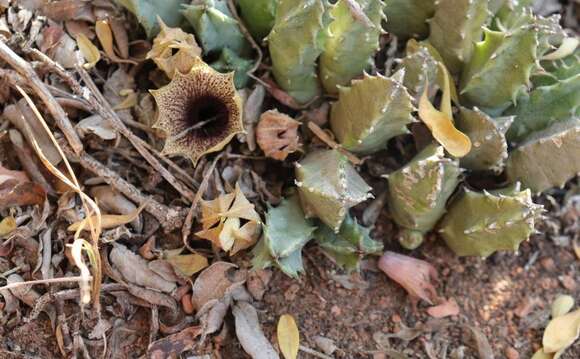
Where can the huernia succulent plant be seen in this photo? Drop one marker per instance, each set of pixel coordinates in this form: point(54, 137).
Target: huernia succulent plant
point(199, 111)
point(370, 112)
point(147, 13)
point(328, 186)
point(419, 191)
point(481, 223)
point(408, 18)
point(349, 245)
point(351, 40)
point(259, 16)
point(295, 43)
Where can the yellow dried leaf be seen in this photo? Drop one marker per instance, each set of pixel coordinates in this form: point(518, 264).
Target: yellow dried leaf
point(540, 354)
point(288, 336)
point(576, 245)
point(441, 123)
point(105, 36)
point(7, 225)
point(174, 50)
point(562, 305)
point(89, 51)
point(561, 332)
point(108, 221)
point(188, 264)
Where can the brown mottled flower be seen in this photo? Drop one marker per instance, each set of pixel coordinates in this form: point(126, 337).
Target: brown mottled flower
point(200, 111)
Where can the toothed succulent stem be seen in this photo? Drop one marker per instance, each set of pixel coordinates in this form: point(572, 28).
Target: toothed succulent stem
point(295, 43)
point(408, 18)
point(258, 16)
point(328, 186)
point(418, 193)
point(370, 112)
point(352, 38)
point(478, 224)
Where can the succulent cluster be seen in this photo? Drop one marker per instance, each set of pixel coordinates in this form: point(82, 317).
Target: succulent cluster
point(507, 86)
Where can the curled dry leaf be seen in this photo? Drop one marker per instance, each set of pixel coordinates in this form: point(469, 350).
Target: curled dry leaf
point(288, 336)
point(174, 50)
point(250, 333)
point(174, 344)
point(105, 36)
point(445, 309)
point(277, 134)
point(562, 305)
point(112, 201)
point(187, 264)
point(97, 125)
point(561, 332)
point(440, 122)
point(213, 283)
point(88, 50)
point(221, 220)
point(200, 111)
point(16, 190)
point(413, 274)
point(134, 269)
point(108, 221)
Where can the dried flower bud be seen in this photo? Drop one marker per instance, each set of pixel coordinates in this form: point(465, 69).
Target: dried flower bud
point(412, 274)
point(277, 134)
point(200, 111)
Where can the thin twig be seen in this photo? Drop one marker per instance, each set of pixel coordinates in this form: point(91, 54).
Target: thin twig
point(319, 132)
point(169, 218)
point(248, 37)
point(102, 107)
point(60, 117)
point(43, 281)
point(314, 352)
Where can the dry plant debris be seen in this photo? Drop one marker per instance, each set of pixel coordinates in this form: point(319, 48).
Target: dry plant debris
point(157, 157)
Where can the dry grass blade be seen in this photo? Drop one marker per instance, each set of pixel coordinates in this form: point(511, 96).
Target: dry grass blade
point(86, 201)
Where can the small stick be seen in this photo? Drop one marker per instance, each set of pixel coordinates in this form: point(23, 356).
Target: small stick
point(319, 132)
point(60, 117)
point(169, 218)
point(314, 352)
point(43, 281)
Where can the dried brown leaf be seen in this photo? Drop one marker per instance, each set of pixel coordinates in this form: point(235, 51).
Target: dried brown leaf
point(213, 283)
point(107, 221)
point(250, 333)
point(14, 193)
point(188, 264)
point(68, 10)
point(175, 344)
point(88, 50)
point(482, 344)
point(413, 274)
point(445, 309)
point(105, 36)
point(277, 134)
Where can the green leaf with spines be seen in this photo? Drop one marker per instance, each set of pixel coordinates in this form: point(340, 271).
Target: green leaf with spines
point(500, 68)
point(456, 26)
point(286, 231)
point(478, 224)
point(408, 18)
point(215, 27)
point(295, 43)
point(328, 186)
point(147, 11)
point(352, 38)
point(259, 16)
point(545, 105)
point(418, 192)
point(349, 245)
point(561, 69)
point(230, 61)
point(420, 69)
point(487, 135)
point(512, 14)
point(370, 112)
point(547, 158)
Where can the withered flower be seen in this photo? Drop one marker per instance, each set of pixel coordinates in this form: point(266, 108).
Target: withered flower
point(200, 111)
point(277, 134)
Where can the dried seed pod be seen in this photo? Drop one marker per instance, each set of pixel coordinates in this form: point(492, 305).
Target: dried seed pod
point(215, 27)
point(487, 135)
point(544, 106)
point(457, 24)
point(478, 224)
point(351, 40)
point(286, 231)
point(418, 193)
point(258, 16)
point(148, 11)
point(328, 186)
point(349, 245)
point(547, 158)
point(200, 111)
point(295, 43)
point(501, 58)
point(408, 18)
point(173, 50)
point(277, 134)
point(370, 112)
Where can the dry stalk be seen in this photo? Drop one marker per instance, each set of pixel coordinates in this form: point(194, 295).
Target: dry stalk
point(324, 137)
